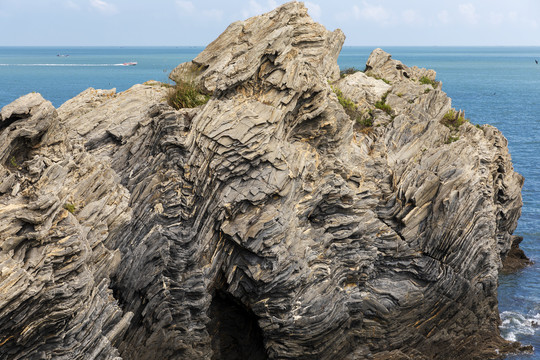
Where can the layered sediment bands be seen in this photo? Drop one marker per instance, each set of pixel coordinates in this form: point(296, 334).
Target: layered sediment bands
point(261, 224)
point(57, 206)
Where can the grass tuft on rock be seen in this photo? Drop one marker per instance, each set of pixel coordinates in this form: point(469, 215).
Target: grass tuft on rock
point(382, 105)
point(349, 105)
point(453, 119)
point(186, 94)
point(352, 110)
point(424, 80)
point(69, 207)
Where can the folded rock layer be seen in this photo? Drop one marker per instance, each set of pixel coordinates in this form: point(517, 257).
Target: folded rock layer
point(265, 224)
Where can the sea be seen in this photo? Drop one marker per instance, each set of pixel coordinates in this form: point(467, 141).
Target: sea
point(499, 86)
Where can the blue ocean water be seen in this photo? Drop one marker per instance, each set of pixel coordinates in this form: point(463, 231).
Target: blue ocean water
point(59, 78)
point(494, 85)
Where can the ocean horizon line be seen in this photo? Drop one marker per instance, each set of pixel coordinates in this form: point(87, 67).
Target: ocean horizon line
point(203, 46)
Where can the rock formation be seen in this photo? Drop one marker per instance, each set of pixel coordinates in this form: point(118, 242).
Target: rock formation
point(515, 259)
point(265, 224)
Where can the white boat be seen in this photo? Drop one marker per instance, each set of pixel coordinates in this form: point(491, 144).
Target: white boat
point(129, 63)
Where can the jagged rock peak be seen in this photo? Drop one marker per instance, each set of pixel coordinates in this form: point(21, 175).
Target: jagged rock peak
point(272, 42)
point(259, 225)
point(381, 65)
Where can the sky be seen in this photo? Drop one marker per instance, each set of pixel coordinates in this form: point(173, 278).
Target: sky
point(197, 23)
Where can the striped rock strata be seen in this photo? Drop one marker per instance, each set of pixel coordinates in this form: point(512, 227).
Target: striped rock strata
point(261, 225)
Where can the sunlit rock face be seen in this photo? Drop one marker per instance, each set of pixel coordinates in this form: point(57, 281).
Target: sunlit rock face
point(265, 224)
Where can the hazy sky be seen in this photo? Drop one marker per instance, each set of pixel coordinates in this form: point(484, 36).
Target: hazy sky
point(191, 22)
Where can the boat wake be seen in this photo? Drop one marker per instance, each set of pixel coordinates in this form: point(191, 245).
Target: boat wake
point(515, 325)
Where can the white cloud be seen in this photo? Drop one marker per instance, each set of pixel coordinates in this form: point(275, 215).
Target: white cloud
point(468, 12)
point(314, 10)
point(370, 12)
point(443, 17)
point(185, 6)
point(103, 7)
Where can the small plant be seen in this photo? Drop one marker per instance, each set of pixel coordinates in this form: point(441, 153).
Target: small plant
point(185, 94)
point(400, 94)
point(427, 90)
point(349, 106)
point(451, 139)
point(69, 207)
point(351, 109)
point(424, 80)
point(365, 122)
point(13, 162)
point(382, 105)
point(453, 119)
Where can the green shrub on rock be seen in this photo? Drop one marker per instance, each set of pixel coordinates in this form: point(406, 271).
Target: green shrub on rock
point(453, 119)
point(424, 80)
point(185, 94)
point(382, 105)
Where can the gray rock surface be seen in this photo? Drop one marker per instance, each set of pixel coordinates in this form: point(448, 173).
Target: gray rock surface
point(260, 225)
point(55, 300)
point(363, 90)
point(380, 65)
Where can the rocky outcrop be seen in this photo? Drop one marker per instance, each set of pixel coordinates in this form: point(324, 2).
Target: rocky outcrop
point(58, 204)
point(381, 66)
point(515, 259)
point(259, 225)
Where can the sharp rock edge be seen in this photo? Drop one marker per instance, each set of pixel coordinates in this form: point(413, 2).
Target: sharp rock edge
point(262, 225)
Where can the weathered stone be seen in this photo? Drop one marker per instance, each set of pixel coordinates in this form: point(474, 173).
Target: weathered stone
point(363, 90)
point(55, 299)
point(515, 259)
point(263, 46)
point(381, 66)
point(259, 225)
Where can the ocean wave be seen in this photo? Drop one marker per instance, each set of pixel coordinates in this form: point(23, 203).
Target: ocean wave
point(515, 324)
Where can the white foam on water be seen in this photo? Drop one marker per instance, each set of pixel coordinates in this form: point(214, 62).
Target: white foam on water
point(511, 336)
point(515, 324)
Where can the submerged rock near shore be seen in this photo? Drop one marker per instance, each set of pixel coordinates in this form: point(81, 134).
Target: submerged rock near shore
point(298, 214)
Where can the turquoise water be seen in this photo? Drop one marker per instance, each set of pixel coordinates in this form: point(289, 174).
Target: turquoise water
point(494, 85)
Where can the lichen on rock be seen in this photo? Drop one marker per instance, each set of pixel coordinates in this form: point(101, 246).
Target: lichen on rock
point(260, 224)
